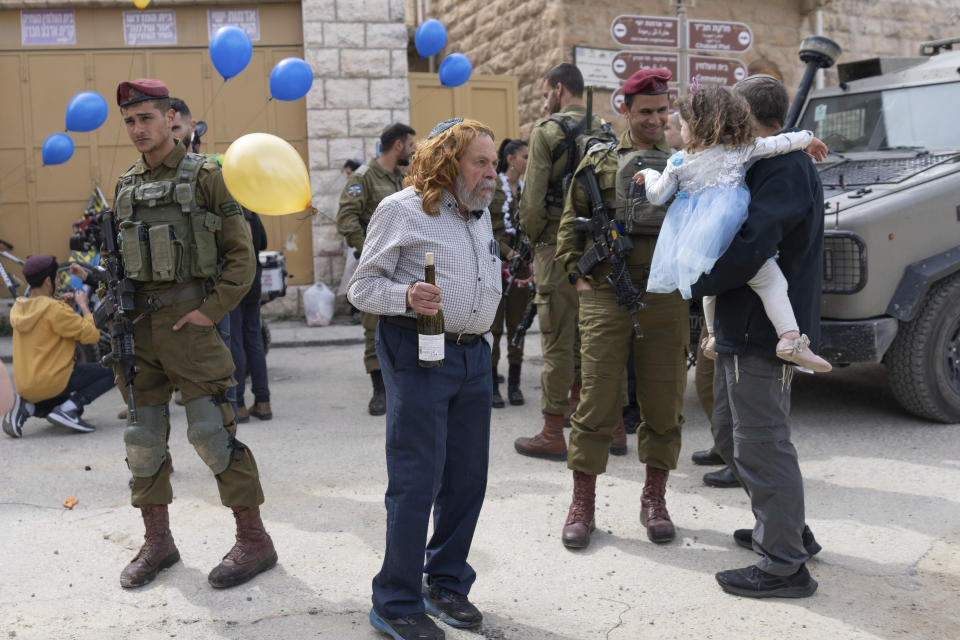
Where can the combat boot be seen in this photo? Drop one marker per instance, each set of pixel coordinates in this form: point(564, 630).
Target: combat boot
point(260, 410)
point(619, 445)
point(653, 506)
point(253, 552)
point(574, 401)
point(243, 415)
point(513, 386)
point(497, 401)
point(549, 443)
point(158, 551)
point(378, 403)
point(580, 523)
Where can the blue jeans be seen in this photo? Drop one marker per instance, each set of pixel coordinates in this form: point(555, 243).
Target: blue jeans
point(437, 445)
point(87, 383)
point(246, 345)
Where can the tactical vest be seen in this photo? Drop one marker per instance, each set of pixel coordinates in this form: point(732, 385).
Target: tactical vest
point(165, 236)
point(632, 208)
point(578, 136)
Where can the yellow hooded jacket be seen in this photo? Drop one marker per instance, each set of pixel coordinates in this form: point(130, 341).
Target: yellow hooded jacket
point(45, 332)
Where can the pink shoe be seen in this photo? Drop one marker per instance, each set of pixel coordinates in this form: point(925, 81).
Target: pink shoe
point(797, 350)
point(708, 346)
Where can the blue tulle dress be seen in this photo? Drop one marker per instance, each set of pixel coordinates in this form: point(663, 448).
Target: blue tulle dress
point(710, 207)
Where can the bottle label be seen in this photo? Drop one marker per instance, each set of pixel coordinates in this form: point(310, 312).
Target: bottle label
point(430, 347)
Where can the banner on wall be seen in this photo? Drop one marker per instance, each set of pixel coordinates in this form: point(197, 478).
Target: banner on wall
point(246, 19)
point(149, 28)
point(47, 28)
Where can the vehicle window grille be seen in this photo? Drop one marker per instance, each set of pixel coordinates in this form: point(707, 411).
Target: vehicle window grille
point(854, 173)
point(844, 262)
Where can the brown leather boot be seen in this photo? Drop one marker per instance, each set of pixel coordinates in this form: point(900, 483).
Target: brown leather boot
point(653, 506)
point(158, 550)
point(243, 415)
point(619, 445)
point(574, 400)
point(260, 410)
point(576, 532)
point(253, 552)
point(549, 443)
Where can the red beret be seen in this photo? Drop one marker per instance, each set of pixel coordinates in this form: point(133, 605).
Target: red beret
point(651, 82)
point(140, 90)
point(38, 263)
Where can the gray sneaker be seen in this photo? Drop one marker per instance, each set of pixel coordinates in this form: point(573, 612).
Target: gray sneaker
point(13, 420)
point(70, 419)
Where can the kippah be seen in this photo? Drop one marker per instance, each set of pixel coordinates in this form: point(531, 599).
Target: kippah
point(440, 127)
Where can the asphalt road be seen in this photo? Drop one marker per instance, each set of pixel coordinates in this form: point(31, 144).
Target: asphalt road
point(882, 492)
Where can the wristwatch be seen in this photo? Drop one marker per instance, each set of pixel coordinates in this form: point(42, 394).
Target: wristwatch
point(573, 277)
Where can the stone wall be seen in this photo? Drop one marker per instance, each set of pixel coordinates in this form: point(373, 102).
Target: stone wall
point(358, 51)
point(527, 37)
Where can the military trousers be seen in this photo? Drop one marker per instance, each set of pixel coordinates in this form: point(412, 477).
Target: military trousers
point(510, 312)
point(606, 332)
point(195, 360)
point(557, 304)
point(751, 427)
point(369, 323)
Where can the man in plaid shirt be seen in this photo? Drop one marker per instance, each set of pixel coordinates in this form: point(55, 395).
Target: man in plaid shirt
point(438, 419)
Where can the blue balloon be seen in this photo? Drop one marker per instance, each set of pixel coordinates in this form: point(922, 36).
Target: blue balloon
point(455, 70)
point(291, 79)
point(430, 37)
point(86, 111)
point(230, 51)
point(57, 149)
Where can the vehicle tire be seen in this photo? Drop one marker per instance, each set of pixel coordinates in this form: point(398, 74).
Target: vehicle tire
point(924, 359)
point(265, 334)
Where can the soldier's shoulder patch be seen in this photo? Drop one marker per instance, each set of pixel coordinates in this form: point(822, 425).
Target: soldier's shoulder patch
point(354, 190)
point(230, 209)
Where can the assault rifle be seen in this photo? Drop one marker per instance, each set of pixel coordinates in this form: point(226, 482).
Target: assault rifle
point(608, 244)
point(523, 253)
point(529, 312)
point(119, 303)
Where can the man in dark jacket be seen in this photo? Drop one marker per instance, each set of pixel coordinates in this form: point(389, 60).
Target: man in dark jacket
point(751, 414)
point(246, 337)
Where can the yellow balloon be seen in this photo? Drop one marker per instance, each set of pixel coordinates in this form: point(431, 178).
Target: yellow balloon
point(265, 174)
point(141, 4)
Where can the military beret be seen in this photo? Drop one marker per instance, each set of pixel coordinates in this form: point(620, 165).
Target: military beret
point(38, 264)
point(140, 90)
point(650, 82)
point(440, 127)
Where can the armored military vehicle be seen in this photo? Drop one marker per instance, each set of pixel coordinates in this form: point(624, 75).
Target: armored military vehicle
point(891, 279)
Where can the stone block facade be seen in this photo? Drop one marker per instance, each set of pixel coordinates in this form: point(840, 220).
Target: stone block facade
point(358, 50)
point(527, 37)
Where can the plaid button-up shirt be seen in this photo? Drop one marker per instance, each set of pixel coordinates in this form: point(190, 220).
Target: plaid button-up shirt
point(467, 260)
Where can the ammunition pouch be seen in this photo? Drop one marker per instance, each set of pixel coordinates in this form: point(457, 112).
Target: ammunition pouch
point(165, 236)
point(206, 433)
point(146, 441)
point(637, 215)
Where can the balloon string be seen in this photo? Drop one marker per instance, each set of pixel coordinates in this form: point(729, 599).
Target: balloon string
point(256, 115)
point(212, 100)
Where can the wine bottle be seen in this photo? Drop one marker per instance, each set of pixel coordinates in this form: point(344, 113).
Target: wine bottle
point(430, 328)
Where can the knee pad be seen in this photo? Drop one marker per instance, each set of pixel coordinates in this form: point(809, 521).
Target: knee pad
point(146, 441)
point(206, 433)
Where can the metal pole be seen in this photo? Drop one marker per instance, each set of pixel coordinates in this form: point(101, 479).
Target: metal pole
point(682, 37)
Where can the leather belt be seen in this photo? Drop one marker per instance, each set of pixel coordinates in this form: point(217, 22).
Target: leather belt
point(411, 323)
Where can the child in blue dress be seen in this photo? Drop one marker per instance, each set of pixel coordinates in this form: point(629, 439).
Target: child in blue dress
point(710, 206)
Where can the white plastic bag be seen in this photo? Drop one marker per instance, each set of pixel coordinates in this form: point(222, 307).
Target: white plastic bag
point(318, 305)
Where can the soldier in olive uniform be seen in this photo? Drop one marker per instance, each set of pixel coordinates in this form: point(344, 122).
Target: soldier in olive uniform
point(365, 188)
point(540, 212)
point(511, 164)
point(186, 247)
point(606, 328)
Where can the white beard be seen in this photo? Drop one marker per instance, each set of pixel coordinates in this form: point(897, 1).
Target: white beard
point(474, 200)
